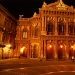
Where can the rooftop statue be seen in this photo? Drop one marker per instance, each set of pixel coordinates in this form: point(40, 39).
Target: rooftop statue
point(44, 4)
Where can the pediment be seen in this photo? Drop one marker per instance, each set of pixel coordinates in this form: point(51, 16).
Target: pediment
point(60, 5)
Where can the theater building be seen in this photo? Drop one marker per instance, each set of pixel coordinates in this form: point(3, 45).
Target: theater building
point(50, 34)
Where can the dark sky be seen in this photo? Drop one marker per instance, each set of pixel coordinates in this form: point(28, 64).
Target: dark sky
point(27, 7)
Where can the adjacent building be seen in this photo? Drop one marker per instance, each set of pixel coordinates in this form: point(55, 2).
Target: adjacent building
point(7, 33)
point(50, 34)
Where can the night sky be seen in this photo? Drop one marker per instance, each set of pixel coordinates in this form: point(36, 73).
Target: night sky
point(27, 7)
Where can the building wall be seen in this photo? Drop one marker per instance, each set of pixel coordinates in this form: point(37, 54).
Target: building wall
point(49, 34)
point(7, 32)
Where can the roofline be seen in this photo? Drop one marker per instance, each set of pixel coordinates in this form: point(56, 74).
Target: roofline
point(7, 12)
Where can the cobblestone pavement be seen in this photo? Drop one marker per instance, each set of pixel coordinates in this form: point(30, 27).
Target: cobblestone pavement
point(35, 67)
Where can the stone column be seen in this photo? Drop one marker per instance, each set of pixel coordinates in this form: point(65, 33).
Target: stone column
point(55, 50)
point(28, 51)
point(45, 48)
point(41, 52)
point(67, 50)
point(56, 26)
point(45, 24)
point(43, 32)
point(32, 45)
point(67, 27)
point(42, 23)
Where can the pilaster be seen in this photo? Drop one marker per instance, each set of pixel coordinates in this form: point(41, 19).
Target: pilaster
point(67, 27)
point(67, 49)
point(55, 50)
point(56, 25)
point(43, 31)
point(43, 51)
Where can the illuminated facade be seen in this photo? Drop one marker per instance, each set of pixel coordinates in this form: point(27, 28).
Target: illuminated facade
point(49, 34)
point(7, 32)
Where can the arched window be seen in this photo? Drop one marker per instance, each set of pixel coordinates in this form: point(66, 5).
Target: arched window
point(71, 28)
point(36, 31)
point(50, 28)
point(24, 33)
point(61, 28)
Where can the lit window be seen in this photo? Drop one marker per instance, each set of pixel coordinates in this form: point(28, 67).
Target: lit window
point(24, 35)
point(36, 31)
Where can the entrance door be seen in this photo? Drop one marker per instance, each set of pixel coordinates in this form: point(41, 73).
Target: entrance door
point(35, 51)
point(61, 52)
point(49, 52)
point(71, 51)
point(25, 52)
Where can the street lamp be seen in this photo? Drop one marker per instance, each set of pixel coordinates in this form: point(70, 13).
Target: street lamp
point(50, 46)
point(21, 51)
point(72, 47)
point(61, 46)
point(8, 45)
point(6, 50)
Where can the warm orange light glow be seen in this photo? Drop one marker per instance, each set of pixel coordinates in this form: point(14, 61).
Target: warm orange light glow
point(74, 47)
point(61, 46)
point(8, 45)
point(22, 49)
point(71, 46)
point(50, 46)
point(6, 49)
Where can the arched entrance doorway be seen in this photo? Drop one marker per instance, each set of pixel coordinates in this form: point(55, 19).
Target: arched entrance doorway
point(35, 51)
point(50, 51)
point(72, 50)
point(23, 51)
point(61, 51)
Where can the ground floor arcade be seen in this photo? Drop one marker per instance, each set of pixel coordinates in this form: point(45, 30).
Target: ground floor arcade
point(47, 48)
